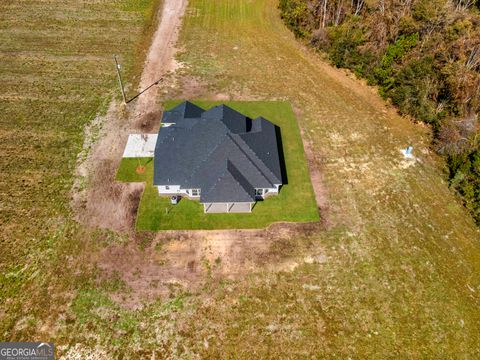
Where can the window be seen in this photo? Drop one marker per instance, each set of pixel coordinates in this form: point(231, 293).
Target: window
point(195, 192)
point(167, 187)
point(258, 192)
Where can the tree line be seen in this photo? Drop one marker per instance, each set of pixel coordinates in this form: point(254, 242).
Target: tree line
point(422, 54)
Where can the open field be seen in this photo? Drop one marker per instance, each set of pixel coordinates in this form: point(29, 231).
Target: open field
point(402, 274)
point(295, 203)
point(394, 274)
point(56, 73)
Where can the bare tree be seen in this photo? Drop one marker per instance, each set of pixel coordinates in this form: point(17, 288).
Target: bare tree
point(338, 12)
point(381, 6)
point(458, 136)
point(406, 6)
point(324, 17)
point(462, 5)
point(358, 6)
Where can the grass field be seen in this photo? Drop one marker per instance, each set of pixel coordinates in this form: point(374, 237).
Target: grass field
point(295, 203)
point(402, 275)
point(57, 74)
point(395, 275)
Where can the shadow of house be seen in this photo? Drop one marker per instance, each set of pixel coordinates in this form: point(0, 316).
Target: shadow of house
point(281, 155)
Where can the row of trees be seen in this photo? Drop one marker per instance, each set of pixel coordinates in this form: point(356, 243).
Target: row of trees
point(423, 54)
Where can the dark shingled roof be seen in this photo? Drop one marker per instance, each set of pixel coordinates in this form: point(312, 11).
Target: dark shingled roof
point(220, 151)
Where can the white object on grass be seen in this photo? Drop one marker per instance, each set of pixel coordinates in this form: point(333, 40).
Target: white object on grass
point(407, 153)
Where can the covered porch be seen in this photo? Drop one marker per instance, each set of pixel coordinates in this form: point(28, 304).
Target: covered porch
point(227, 207)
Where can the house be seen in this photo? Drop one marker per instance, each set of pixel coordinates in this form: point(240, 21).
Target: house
point(219, 156)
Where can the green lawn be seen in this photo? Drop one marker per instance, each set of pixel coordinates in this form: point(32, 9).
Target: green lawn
point(296, 201)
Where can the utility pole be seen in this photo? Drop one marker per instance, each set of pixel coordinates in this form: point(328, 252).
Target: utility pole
point(117, 66)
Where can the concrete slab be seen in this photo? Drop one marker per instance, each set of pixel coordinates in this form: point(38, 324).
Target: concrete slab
point(140, 145)
point(215, 208)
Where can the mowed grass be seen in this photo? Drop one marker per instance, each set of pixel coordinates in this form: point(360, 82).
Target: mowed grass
point(56, 74)
point(399, 274)
point(295, 202)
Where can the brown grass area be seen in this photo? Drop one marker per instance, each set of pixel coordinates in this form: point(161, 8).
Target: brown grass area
point(56, 71)
point(401, 254)
point(108, 204)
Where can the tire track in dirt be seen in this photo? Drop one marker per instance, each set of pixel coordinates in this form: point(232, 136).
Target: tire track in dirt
point(161, 56)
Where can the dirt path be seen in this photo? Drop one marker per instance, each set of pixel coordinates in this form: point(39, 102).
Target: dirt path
point(104, 202)
point(160, 58)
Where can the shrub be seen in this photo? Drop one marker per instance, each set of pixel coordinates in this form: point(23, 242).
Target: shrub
point(394, 53)
point(295, 14)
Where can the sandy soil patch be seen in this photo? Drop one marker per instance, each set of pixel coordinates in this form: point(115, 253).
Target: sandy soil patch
point(160, 58)
point(176, 261)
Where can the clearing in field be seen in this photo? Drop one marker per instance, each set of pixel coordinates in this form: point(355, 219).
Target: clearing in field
point(295, 203)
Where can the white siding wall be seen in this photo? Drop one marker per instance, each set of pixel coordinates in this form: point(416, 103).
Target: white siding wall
point(271, 191)
point(175, 189)
point(172, 189)
point(275, 189)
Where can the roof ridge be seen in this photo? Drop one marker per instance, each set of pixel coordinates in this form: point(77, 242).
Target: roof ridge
point(235, 178)
point(256, 157)
point(226, 170)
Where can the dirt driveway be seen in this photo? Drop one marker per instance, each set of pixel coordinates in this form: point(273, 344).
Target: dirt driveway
point(106, 203)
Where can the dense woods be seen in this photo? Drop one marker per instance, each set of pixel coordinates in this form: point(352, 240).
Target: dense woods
point(422, 54)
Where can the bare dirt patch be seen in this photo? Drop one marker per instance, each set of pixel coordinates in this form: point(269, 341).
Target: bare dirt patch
point(160, 58)
point(111, 204)
point(184, 260)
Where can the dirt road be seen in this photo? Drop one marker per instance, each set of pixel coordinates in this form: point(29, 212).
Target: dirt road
point(104, 202)
point(160, 57)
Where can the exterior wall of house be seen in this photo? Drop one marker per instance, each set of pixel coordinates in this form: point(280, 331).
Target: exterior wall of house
point(263, 193)
point(236, 207)
point(168, 189)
